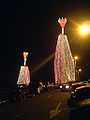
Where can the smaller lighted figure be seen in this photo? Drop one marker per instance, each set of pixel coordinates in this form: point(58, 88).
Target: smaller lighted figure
point(24, 74)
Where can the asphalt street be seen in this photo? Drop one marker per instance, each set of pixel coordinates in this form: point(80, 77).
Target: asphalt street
point(51, 105)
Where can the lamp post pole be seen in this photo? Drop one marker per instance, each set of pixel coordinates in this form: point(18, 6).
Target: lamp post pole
point(79, 70)
point(75, 59)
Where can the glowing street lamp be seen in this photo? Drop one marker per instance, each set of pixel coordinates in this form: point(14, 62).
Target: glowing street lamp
point(84, 29)
point(75, 58)
point(79, 70)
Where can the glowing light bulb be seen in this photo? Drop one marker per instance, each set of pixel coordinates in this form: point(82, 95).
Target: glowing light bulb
point(84, 29)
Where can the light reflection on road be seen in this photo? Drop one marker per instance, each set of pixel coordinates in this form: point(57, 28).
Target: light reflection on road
point(55, 112)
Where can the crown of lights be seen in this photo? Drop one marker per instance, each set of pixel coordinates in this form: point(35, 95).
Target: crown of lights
point(25, 54)
point(62, 22)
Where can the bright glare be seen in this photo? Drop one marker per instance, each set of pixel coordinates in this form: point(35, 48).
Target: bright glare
point(84, 29)
point(75, 57)
point(67, 86)
point(60, 86)
point(79, 70)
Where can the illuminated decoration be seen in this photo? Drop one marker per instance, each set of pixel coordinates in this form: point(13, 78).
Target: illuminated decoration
point(25, 54)
point(24, 74)
point(64, 68)
point(62, 23)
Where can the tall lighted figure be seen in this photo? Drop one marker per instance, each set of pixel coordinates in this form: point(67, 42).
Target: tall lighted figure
point(64, 68)
point(24, 74)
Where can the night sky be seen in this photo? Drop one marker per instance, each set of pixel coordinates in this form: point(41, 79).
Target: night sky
point(33, 26)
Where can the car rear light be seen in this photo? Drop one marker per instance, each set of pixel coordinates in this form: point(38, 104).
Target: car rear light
point(72, 92)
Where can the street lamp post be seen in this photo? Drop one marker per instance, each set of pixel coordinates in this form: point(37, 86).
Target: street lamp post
point(75, 59)
point(79, 70)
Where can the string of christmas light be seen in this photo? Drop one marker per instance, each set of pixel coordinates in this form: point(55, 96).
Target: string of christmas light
point(64, 68)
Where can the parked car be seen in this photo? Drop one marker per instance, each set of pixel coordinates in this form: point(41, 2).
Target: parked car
point(64, 87)
point(79, 95)
point(41, 88)
point(56, 86)
point(50, 86)
point(82, 112)
point(73, 87)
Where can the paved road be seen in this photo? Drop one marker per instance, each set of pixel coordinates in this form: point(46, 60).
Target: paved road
point(51, 105)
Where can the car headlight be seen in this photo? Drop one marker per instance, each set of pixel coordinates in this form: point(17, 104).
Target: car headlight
point(60, 86)
point(67, 86)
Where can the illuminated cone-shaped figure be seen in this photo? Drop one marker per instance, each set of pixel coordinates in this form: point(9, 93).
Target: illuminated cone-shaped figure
point(64, 67)
point(24, 74)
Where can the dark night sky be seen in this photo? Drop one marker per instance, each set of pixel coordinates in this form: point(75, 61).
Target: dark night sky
point(32, 26)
